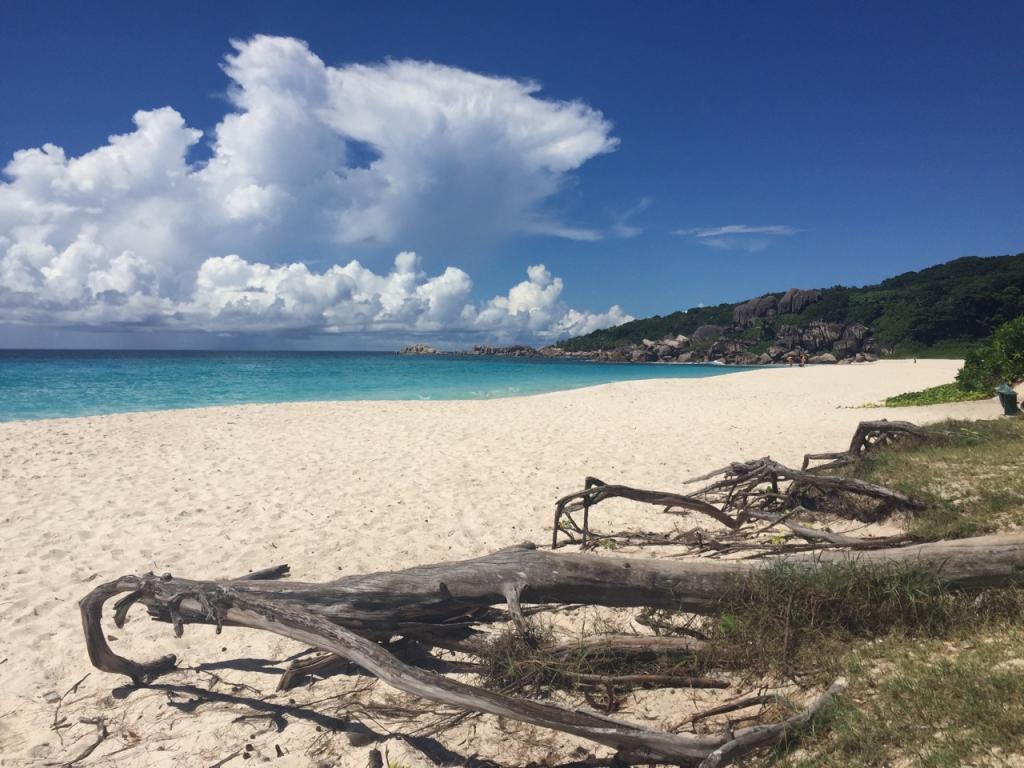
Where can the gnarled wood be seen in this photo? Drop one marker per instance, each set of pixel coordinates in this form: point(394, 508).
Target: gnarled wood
point(822, 538)
point(739, 490)
point(450, 598)
point(231, 603)
point(443, 604)
point(596, 491)
point(868, 436)
point(346, 617)
point(746, 741)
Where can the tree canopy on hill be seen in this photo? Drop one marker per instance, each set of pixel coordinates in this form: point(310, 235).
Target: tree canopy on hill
point(946, 308)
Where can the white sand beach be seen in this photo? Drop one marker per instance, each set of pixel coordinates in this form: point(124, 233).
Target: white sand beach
point(331, 489)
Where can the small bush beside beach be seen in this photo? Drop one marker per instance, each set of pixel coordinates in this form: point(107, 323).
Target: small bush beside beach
point(999, 361)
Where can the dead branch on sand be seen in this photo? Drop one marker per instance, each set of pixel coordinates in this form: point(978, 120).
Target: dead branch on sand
point(446, 605)
point(759, 490)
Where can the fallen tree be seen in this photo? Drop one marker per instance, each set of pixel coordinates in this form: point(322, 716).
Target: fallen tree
point(440, 604)
point(449, 605)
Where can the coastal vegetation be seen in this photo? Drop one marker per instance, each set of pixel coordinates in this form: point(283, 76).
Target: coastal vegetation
point(941, 311)
point(947, 311)
point(852, 627)
point(999, 360)
point(946, 663)
point(940, 702)
point(967, 477)
point(942, 393)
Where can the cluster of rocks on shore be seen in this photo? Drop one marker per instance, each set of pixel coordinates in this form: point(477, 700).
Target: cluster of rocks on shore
point(745, 342)
point(819, 343)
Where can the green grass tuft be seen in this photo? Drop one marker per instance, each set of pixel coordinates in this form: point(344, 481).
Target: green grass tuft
point(923, 705)
point(944, 393)
point(787, 618)
point(969, 478)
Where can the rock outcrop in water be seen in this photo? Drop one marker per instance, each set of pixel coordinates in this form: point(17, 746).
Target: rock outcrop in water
point(931, 311)
point(819, 343)
point(419, 349)
point(822, 343)
point(516, 350)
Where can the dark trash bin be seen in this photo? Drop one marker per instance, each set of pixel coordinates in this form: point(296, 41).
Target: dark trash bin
point(1008, 399)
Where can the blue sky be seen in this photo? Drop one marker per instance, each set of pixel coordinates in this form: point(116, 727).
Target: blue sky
point(689, 153)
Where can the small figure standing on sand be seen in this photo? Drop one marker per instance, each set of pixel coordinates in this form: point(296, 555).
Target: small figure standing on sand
point(803, 359)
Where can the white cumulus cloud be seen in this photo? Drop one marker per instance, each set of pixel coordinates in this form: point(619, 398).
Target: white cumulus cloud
point(235, 295)
point(311, 159)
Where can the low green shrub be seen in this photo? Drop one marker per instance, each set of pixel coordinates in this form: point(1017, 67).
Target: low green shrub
point(944, 393)
point(999, 361)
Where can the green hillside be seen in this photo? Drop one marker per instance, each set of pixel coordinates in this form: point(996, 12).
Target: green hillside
point(940, 311)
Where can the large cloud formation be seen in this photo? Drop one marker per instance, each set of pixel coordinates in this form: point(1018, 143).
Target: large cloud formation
point(312, 159)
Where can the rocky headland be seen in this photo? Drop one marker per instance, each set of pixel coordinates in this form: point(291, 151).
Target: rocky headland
point(748, 340)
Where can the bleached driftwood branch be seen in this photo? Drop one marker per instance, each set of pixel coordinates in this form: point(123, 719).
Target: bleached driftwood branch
point(444, 601)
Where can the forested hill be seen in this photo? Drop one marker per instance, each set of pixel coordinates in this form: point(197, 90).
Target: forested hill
point(942, 309)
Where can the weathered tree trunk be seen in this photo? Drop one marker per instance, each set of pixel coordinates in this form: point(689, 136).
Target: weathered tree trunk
point(449, 597)
point(346, 616)
point(228, 604)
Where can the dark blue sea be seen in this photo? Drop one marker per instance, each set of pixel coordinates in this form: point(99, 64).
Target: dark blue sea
point(46, 384)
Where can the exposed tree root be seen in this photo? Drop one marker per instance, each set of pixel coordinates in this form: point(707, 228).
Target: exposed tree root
point(869, 435)
point(747, 740)
point(596, 491)
point(722, 709)
point(761, 489)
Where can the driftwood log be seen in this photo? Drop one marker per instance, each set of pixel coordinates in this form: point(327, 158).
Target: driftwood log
point(440, 604)
point(761, 489)
point(445, 605)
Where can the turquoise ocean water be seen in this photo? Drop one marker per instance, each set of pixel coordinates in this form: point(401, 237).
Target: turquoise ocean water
point(46, 384)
